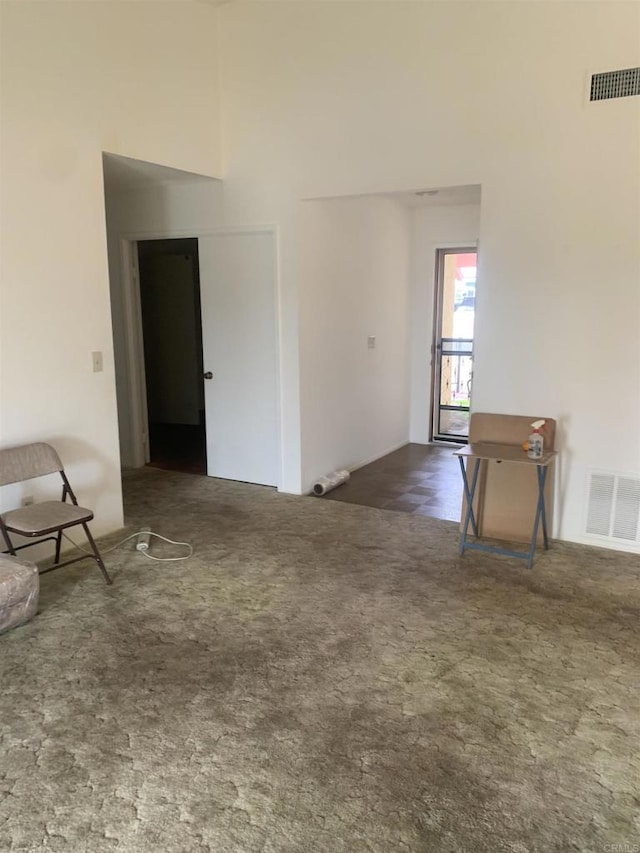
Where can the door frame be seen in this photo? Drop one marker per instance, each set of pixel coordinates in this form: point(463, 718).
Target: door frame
point(455, 247)
point(136, 388)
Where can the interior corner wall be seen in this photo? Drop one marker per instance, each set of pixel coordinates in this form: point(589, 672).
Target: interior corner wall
point(432, 228)
point(166, 209)
point(355, 274)
point(77, 79)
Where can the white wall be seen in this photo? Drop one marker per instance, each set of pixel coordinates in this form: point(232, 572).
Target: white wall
point(139, 79)
point(330, 99)
point(431, 228)
point(355, 275)
point(317, 100)
point(164, 209)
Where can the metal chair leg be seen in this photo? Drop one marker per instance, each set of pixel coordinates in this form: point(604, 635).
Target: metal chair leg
point(58, 545)
point(8, 543)
point(96, 553)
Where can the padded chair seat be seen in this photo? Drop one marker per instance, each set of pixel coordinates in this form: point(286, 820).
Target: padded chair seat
point(45, 517)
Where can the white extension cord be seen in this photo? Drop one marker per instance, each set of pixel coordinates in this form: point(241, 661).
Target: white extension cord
point(142, 545)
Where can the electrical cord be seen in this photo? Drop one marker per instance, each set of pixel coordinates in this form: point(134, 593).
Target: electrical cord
point(146, 554)
point(172, 542)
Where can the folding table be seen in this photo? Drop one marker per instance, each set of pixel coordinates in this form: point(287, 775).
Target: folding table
point(477, 454)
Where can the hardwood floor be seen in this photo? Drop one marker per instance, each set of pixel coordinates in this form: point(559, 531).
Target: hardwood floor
point(418, 479)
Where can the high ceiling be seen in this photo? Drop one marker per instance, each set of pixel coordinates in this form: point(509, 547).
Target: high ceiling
point(439, 196)
point(424, 197)
point(125, 173)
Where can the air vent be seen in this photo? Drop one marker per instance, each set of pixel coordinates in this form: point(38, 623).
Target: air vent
point(600, 504)
point(615, 84)
point(626, 516)
point(613, 508)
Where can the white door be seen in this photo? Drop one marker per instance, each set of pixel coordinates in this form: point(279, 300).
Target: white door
point(237, 285)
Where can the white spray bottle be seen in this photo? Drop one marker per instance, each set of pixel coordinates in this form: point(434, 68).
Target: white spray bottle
point(536, 441)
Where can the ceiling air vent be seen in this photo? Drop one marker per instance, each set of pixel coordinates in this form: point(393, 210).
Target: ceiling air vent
point(613, 508)
point(615, 84)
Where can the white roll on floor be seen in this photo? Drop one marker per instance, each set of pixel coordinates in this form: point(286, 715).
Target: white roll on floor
point(331, 481)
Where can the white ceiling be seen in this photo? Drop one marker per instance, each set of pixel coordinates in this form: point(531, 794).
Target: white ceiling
point(438, 196)
point(422, 197)
point(125, 173)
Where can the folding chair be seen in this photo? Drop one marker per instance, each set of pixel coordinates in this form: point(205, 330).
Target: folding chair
point(39, 520)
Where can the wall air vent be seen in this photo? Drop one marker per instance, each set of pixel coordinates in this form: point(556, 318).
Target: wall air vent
point(615, 84)
point(613, 508)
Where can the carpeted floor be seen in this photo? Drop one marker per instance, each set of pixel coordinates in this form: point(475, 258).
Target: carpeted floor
point(321, 678)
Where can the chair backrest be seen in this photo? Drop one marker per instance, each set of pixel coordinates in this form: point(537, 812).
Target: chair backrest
point(27, 461)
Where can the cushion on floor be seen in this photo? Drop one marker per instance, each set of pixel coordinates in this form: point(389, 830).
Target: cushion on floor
point(19, 587)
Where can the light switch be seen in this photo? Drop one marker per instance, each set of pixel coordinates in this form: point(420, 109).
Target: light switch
point(96, 360)
point(371, 341)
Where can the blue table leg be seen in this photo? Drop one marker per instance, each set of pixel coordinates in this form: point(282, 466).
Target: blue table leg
point(540, 515)
point(469, 494)
point(542, 477)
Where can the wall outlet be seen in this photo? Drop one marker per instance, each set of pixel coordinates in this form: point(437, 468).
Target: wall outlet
point(371, 341)
point(96, 361)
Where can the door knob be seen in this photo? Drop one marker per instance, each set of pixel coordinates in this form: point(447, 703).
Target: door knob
point(208, 375)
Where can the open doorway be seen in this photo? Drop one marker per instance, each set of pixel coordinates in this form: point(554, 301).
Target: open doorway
point(149, 209)
point(455, 298)
point(173, 359)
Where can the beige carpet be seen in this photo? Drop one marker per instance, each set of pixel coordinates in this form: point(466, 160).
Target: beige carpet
point(320, 678)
